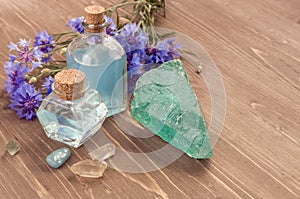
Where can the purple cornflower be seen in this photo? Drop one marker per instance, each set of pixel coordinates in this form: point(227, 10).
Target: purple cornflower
point(44, 43)
point(26, 101)
point(132, 37)
point(15, 73)
point(76, 24)
point(47, 85)
point(111, 28)
point(25, 54)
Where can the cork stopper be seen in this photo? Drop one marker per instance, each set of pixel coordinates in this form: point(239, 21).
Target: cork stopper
point(94, 15)
point(69, 84)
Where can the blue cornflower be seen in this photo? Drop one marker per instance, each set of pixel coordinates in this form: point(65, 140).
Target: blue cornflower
point(111, 28)
point(76, 24)
point(132, 37)
point(133, 77)
point(44, 43)
point(168, 49)
point(26, 101)
point(153, 56)
point(12, 57)
point(9, 66)
point(15, 73)
point(13, 46)
point(135, 59)
point(47, 85)
point(23, 43)
point(135, 67)
point(37, 53)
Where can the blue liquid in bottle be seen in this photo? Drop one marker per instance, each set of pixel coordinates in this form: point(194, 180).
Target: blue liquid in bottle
point(75, 119)
point(103, 60)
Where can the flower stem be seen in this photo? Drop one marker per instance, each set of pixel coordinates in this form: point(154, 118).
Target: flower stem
point(59, 61)
point(113, 8)
point(65, 33)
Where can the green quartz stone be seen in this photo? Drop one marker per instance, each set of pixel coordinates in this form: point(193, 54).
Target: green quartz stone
point(13, 147)
point(165, 103)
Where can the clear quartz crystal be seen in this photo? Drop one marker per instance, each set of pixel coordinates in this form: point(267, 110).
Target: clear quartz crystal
point(104, 152)
point(103, 61)
point(89, 168)
point(72, 121)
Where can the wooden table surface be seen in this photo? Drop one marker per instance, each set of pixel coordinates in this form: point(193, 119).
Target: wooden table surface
point(256, 46)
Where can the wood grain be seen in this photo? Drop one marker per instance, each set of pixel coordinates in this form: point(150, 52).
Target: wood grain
point(256, 46)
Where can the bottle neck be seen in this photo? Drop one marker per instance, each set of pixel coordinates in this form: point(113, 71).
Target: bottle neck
point(89, 33)
point(94, 34)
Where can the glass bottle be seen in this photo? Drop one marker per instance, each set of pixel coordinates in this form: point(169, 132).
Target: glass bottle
point(102, 59)
point(73, 112)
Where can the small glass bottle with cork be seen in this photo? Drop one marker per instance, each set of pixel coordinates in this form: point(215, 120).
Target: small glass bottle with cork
point(102, 59)
point(73, 112)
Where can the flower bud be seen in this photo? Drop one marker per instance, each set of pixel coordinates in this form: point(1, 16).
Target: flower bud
point(32, 80)
point(199, 68)
point(46, 71)
point(63, 50)
point(27, 77)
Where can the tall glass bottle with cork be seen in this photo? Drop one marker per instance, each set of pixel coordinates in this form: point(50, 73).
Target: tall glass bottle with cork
point(102, 59)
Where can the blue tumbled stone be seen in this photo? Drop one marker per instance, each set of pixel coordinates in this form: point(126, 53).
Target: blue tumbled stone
point(58, 157)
